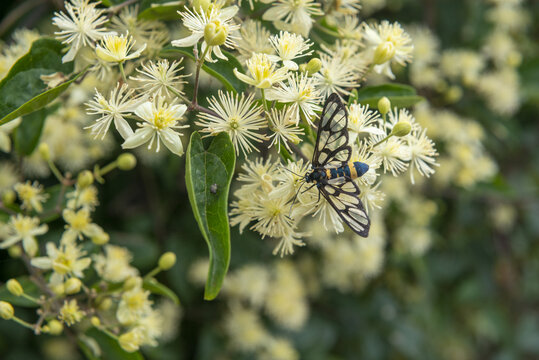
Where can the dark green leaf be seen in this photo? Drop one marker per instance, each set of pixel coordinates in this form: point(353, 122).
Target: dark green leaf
point(22, 91)
point(155, 287)
point(110, 347)
point(400, 95)
point(161, 12)
point(204, 168)
point(27, 134)
point(221, 70)
point(29, 288)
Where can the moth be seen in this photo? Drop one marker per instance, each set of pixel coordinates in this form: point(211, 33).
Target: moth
point(332, 172)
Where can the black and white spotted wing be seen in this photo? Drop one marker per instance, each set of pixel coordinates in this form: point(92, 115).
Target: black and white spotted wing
point(344, 198)
point(332, 150)
point(332, 147)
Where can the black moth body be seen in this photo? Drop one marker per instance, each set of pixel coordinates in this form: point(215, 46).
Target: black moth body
point(332, 171)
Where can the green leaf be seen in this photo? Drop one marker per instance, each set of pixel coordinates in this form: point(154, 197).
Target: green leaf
point(110, 347)
point(208, 175)
point(155, 287)
point(221, 70)
point(27, 134)
point(22, 91)
point(29, 288)
point(167, 11)
point(400, 95)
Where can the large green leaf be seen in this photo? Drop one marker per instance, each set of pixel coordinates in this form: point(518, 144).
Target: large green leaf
point(29, 288)
point(155, 287)
point(221, 70)
point(208, 175)
point(110, 348)
point(400, 95)
point(22, 91)
point(27, 134)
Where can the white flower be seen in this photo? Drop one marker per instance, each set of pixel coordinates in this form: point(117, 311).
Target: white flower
point(160, 121)
point(25, 229)
point(116, 49)
point(196, 22)
point(66, 260)
point(388, 43)
point(301, 92)
point(158, 77)
point(81, 26)
point(114, 265)
point(32, 195)
point(134, 304)
point(263, 72)
point(293, 15)
point(288, 47)
point(336, 75)
point(394, 153)
point(362, 120)
point(254, 39)
point(422, 153)
point(238, 117)
point(122, 101)
point(283, 124)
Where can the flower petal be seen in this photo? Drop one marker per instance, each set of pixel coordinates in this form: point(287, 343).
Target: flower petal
point(140, 137)
point(191, 40)
point(172, 141)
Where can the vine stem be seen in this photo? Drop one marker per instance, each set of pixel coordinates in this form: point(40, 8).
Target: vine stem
point(116, 8)
point(192, 106)
point(200, 62)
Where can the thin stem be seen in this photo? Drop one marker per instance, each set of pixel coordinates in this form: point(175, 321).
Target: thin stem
point(309, 129)
point(108, 168)
point(23, 323)
point(55, 171)
point(384, 116)
point(264, 100)
point(326, 30)
point(122, 71)
point(381, 141)
point(116, 8)
point(152, 273)
point(192, 106)
point(298, 152)
point(200, 62)
point(31, 298)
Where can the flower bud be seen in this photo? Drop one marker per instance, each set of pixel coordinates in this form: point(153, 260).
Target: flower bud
point(58, 289)
point(101, 238)
point(384, 105)
point(215, 33)
point(104, 304)
point(72, 286)
point(85, 179)
point(132, 282)
point(383, 53)
point(6, 310)
point(8, 197)
point(95, 321)
point(402, 128)
point(313, 66)
point(44, 151)
point(167, 260)
point(204, 4)
point(14, 251)
point(55, 327)
point(126, 161)
point(14, 287)
point(129, 341)
point(302, 68)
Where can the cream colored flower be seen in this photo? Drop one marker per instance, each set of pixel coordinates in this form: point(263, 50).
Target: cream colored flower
point(70, 313)
point(116, 49)
point(262, 71)
point(25, 229)
point(293, 15)
point(283, 125)
point(134, 304)
point(158, 77)
point(160, 125)
point(79, 223)
point(31, 195)
point(114, 265)
point(289, 47)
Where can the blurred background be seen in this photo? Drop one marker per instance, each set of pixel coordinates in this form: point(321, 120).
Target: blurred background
point(457, 273)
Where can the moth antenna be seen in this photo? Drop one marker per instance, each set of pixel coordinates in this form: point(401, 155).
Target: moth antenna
point(287, 169)
point(295, 198)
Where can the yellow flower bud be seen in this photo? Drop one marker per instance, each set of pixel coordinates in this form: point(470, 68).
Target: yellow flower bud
point(215, 33)
point(313, 66)
point(129, 341)
point(6, 310)
point(14, 287)
point(14, 251)
point(204, 4)
point(384, 105)
point(55, 327)
point(44, 151)
point(126, 161)
point(383, 53)
point(167, 260)
point(104, 304)
point(58, 289)
point(402, 128)
point(101, 238)
point(95, 321)
point(72, 286)
point(303, 68)
point(85, 179)
point(132, 282)
point(8, 197)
